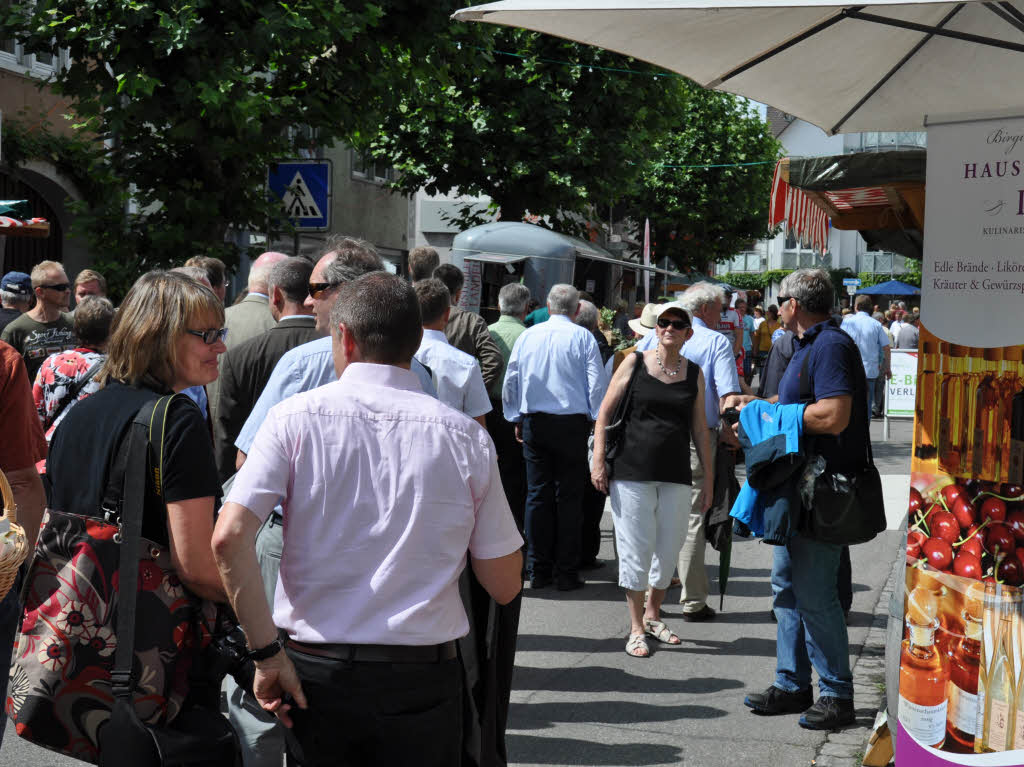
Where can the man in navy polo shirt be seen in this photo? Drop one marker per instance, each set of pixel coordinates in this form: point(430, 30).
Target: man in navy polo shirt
point(811, 625)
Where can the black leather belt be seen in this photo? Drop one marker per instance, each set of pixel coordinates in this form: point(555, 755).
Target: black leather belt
point(378, 653)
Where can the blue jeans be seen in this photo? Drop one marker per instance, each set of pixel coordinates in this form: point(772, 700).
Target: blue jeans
point(871, 395)
point(10, 618)
point(811, 625)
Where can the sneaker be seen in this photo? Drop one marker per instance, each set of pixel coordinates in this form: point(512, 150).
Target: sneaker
point(699, 616)
point(774, 701)
point(829, 713)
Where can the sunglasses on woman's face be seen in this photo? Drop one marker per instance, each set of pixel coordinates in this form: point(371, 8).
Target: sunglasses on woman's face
point(211, 336)
point(664, 322)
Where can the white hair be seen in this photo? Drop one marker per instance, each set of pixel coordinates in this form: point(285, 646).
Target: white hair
point(563, 299)
point(259, 278)
point(701, 294)
point(513, 299)
point(7, 297)
point(587, 316)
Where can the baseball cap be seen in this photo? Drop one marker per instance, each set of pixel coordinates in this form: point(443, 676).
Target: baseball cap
point(18, 283)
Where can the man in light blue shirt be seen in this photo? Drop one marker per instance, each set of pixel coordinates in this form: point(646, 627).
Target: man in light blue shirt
point(457, 376)
point(872, 342)
point(553, 389)
point(714, 354)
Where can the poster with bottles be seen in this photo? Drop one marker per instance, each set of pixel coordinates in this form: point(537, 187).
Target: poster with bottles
point(961, 695)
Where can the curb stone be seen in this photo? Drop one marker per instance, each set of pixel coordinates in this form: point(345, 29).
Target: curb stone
point(845, 748)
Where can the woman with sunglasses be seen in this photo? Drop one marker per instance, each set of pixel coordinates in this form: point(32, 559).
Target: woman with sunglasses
point(165, 337)
point(651, 478)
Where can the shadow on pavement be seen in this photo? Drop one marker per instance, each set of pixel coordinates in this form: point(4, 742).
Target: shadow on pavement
point(532, 749)
point(530, 716)
point(749, 646)
point(604, 679)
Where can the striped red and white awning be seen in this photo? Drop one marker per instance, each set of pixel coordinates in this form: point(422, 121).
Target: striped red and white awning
point(805, 219)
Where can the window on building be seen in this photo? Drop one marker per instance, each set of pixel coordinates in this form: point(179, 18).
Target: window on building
point(881, 262)
point(795, 255)
point(748, 262)
point(367, 169)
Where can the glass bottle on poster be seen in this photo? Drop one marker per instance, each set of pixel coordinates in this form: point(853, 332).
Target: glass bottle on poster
point(1001, 689)
point(923, 676)
point(964, 669)
point(952, 395)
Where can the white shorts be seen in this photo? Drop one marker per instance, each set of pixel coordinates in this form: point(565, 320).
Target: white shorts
point(650, 522)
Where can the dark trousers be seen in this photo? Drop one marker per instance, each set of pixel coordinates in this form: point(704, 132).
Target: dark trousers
point(398, 714)
point(555, 449)
point(511, 464)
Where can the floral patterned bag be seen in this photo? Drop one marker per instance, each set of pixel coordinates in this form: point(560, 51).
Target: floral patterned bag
point(61, 692)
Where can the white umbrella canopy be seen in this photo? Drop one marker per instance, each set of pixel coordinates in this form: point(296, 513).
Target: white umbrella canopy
point(883, 65)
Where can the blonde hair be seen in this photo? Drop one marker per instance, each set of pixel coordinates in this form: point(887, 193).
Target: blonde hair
point(157, 311)
point(40, 270)
point(90, 275)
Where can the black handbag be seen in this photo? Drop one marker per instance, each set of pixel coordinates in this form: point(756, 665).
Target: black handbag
point(839, 508)
point(200, 736)
point(616, 428)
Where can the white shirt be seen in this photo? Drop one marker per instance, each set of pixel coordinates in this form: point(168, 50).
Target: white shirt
point(455, 374)
point(385, 490)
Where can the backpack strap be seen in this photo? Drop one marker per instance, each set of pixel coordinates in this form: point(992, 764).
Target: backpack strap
point(143, 451)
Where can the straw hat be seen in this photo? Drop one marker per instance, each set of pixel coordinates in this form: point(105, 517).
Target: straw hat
point(645, 323)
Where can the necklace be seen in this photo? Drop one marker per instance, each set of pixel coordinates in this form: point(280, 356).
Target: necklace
point(670, 373)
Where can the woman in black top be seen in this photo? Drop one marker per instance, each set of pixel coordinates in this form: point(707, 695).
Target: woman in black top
point(165, 337)
point(650, 491)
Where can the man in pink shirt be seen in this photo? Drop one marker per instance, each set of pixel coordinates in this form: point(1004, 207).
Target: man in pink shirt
point(385, 491)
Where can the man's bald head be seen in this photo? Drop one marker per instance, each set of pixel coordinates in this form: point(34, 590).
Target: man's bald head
point(260, 271)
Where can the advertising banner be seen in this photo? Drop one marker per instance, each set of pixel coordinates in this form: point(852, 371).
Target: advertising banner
point(902, 387)
point(961, 692)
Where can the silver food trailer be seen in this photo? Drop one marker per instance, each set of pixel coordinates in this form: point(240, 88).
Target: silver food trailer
point(493, 255)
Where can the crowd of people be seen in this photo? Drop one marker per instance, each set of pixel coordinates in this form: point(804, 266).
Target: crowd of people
point(359, 465)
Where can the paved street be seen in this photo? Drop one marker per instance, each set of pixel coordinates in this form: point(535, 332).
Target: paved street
point(580, 700)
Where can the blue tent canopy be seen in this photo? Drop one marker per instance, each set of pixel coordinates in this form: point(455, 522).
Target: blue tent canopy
point(890, 288)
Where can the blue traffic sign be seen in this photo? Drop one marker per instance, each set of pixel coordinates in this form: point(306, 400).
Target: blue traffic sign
point(304, 189)
point(854, 281)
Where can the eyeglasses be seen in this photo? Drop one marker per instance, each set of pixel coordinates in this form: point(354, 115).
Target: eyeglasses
point(211, 336)
point(664, 322)
point(784, 299)
point(63, 287)
point(317, 289)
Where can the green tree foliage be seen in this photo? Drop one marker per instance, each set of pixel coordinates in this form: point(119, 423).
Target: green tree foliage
point(195, 98)
point(546, 130)
point(703, 215)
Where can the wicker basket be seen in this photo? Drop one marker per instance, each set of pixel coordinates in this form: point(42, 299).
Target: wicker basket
point(13, 545)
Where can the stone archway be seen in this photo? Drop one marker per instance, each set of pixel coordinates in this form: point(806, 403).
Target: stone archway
point(49, 194)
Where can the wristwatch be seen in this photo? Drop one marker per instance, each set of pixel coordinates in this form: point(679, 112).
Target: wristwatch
point(269, 651)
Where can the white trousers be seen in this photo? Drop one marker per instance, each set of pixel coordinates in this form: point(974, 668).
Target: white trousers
point(649, 528)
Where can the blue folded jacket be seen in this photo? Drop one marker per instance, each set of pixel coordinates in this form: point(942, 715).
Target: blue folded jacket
point(769, 503)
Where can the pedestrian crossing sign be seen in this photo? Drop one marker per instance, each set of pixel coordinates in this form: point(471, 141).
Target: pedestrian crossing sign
point(304, 189)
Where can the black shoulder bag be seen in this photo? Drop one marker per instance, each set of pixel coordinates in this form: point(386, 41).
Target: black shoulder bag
point(844, 510)
point(197, 736)
point(617, 426)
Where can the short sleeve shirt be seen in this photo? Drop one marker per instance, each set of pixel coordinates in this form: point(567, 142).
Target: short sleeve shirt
point(83, 448)
point(38, 340)
point(57, 378)
point(835, 370)
point(23, 443)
